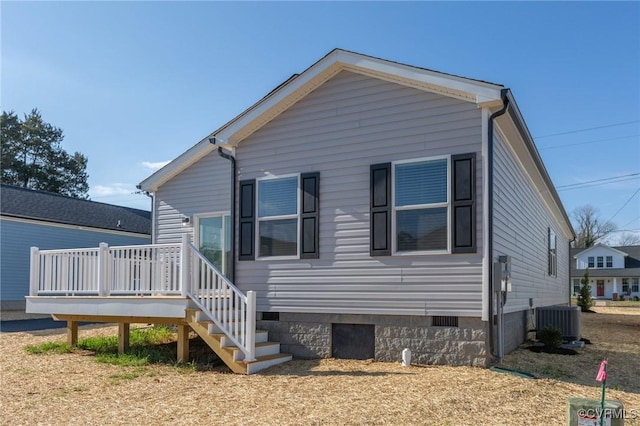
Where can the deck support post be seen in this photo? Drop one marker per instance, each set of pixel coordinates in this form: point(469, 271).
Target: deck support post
point(72, 333)
point(123, 337)
point(183, 343)
point(34, 272)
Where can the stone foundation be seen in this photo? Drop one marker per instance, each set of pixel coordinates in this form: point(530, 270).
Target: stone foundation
point(308, 336)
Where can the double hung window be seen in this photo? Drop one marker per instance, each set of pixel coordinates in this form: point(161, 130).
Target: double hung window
point(278, 217)
point(552, 254)
point(421, 205)
point(424, 205)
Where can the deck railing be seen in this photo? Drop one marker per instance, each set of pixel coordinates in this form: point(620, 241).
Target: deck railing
point(223, 303)
point(148, 270)
point(125, 270)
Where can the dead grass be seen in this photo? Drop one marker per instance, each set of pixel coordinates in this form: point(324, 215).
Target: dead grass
point(74, 389)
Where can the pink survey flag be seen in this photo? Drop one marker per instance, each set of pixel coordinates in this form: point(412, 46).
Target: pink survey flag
point(602, 373)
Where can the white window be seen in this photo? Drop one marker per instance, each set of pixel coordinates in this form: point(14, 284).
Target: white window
point(636, 284)
point(421, 205)
point(576, 285)
point(600, 262)
point(552, 257)
point(609, 261)
point(625, 285)
point(591, 262)
point(278, 216)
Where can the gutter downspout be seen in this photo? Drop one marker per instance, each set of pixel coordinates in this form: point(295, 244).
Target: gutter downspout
point(505, 101)
point(232, 210)
point(570, 265)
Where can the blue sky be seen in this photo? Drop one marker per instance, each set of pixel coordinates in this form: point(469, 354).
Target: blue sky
point(136, 84)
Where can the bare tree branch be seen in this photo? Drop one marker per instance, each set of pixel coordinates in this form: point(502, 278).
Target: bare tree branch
point(589, 227)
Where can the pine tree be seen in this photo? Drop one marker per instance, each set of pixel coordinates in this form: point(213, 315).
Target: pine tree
point(584, 296)
point(32, 157)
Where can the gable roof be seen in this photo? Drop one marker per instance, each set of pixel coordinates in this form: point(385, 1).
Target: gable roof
point(599, 245)
point(48, 207)
point(482, 93)
point(299, 85)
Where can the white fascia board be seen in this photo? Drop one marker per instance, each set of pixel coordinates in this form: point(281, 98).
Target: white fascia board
point(339, 60)
point(467, 89)
point(177, 165)
point(234, 131)
point(297, 88)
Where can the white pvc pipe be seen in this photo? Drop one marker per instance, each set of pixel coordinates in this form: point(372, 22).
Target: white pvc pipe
point(406, 357)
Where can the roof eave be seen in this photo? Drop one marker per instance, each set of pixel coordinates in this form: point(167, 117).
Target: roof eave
point(515, 114)
point(242, 126)
point(279, 100)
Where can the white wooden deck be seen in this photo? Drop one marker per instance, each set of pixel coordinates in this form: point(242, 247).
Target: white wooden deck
point(157, 283)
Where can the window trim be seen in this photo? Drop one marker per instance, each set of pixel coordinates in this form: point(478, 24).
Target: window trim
point(608, 261)
point(394, 209)
point(591, 262)
point(279, 217)
point(599, 262)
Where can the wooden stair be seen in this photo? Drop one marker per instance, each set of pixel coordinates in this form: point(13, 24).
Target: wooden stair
point(267, 353)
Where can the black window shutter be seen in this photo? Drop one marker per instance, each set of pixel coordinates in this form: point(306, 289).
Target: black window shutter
point(310, 215)
point(463, 203)
point(380, 211)
point(247, 222)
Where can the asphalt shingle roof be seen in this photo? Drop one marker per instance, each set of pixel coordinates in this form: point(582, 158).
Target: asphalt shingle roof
point(46, 206)
point(631, 264)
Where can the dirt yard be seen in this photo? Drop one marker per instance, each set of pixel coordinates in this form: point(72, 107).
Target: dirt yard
point(75, 389)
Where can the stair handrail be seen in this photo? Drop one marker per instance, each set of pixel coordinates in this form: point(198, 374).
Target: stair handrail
point(238, 319)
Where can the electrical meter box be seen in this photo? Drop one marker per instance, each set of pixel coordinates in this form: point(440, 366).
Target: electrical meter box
point(587, 412)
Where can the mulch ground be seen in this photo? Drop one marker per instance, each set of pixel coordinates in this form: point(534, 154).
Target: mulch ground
point(73, 389)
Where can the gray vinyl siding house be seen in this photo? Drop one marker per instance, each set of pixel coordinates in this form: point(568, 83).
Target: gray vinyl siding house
point(49, 221)
point(411, 271)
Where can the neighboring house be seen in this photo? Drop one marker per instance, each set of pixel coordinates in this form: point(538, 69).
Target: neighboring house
point(613, 271)
point(364, 203)
point(51, 221)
